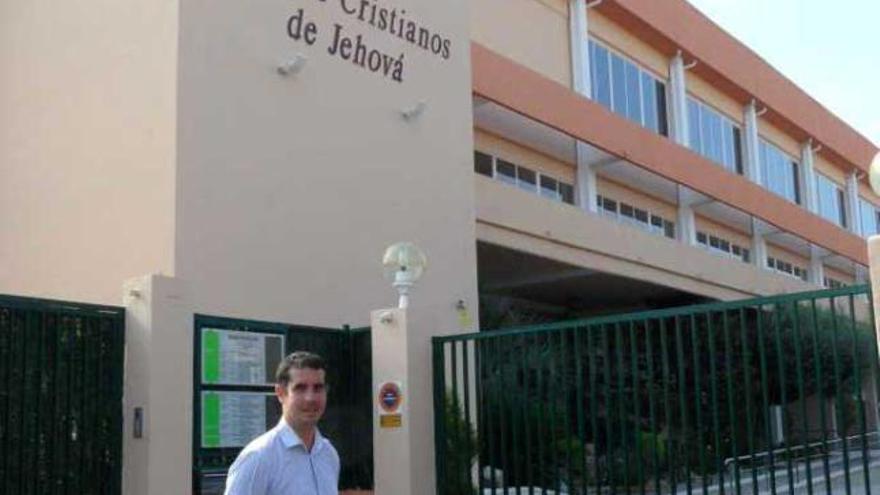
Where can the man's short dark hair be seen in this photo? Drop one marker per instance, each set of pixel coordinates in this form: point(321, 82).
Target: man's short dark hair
point(298, 360)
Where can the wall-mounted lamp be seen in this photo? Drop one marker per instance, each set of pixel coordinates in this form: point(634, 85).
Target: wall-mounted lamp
point(414, 111)
point(404, 265)
point(293, 66)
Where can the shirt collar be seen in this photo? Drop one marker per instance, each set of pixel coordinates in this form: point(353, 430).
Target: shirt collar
point(290, 439)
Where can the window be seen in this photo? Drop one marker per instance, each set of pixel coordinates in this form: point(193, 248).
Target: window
point(523, 177)
point(787, 268)
point(644, 219)
point(714, 136)
point(869, 216)
point(780, 172)
point(621, 86)
point(830, 200)
point(723, 247)
point(483, 164)
point(831, 283)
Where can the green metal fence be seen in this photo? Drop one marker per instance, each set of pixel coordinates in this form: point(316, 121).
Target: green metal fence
point(771, 395)
point(347, 421)
point(61, 367)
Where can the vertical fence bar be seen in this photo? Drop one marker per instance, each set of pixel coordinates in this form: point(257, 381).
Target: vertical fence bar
point(652, 413)
point(667, 409)
point(765, 395)
point(567, 394)
point(682, 388)
point(637, 414)
point(820, 384)
point(526, 402)
point(621, 405)
point(731, 408)
point(512, 385)
point(594, 405)
point(875, 362)
point(439, 363)
point(713, 380)
point(857, 388)
point(553, 373)
point(838, 388)
point(805, 422)
point(581, 420)
point(698, 407)
point(747, 384)
point(468, 424)
point(780, 361)
point(609, 406)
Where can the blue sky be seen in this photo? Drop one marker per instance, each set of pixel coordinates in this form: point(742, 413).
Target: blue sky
point(830, 48)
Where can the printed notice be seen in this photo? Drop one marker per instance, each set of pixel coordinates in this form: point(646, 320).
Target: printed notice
point(231, 357)
point(232, 419)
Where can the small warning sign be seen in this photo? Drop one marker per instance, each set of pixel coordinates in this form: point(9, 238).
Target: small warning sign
point(390, 397)
point(391, 421)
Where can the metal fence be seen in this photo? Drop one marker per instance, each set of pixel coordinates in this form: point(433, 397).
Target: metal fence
point(347, 421)
point(61, 367)
point(771, 395)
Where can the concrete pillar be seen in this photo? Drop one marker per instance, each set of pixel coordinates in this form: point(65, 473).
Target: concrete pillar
point(581, 82)
point(687, 225)
point(874, 271)
point(808, 178)
point(158, 380)
point(817, 268)
point(851, 194)
point(679, 128)
point(759, 245)
point(578, 30)
point(751, 143)
point(586, 181)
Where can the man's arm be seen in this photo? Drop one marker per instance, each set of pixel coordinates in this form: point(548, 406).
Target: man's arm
point(247, 476)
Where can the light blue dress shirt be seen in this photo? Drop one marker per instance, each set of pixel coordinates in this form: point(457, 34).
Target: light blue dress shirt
point(277, 463)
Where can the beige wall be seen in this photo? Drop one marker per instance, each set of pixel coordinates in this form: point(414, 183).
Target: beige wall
point(534, 33)
point(87, 143)
point(291, 188)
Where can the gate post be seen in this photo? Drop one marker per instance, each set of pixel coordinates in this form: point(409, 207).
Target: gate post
point(874, 271)
point(403, 432)
point(157, 402)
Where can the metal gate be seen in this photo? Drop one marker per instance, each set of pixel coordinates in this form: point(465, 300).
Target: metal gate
point(61, 369)
point(771, 395)
point(347, 421)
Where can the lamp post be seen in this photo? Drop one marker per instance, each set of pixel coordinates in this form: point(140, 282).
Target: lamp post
point(404, 265)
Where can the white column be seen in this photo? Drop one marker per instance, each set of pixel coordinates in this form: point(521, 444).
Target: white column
point(817, 268)
point(158, 381)
point(808, 178)
point(580, 49)
point(759, 245)
point(852, 204)
point(686, 225)
point(586, 180)
point(678, 106)
point(581, 83)
point(750, 143)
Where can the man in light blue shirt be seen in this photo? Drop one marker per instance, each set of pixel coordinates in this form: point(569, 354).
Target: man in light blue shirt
point(291, 458)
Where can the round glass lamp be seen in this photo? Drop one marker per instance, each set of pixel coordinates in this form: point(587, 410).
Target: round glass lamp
point(404, 265)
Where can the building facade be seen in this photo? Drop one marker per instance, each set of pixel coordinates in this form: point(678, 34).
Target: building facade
point(554, 159)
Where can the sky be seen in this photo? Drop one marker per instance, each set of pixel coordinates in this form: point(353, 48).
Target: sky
point(829, 48)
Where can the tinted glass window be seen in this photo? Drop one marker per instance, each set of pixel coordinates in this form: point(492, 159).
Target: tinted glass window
point(482, 164)
point(506, 171)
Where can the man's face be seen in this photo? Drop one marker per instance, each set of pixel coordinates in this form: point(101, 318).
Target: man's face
point(304, 399)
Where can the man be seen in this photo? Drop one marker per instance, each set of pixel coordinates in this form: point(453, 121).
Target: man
point(292, 458)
